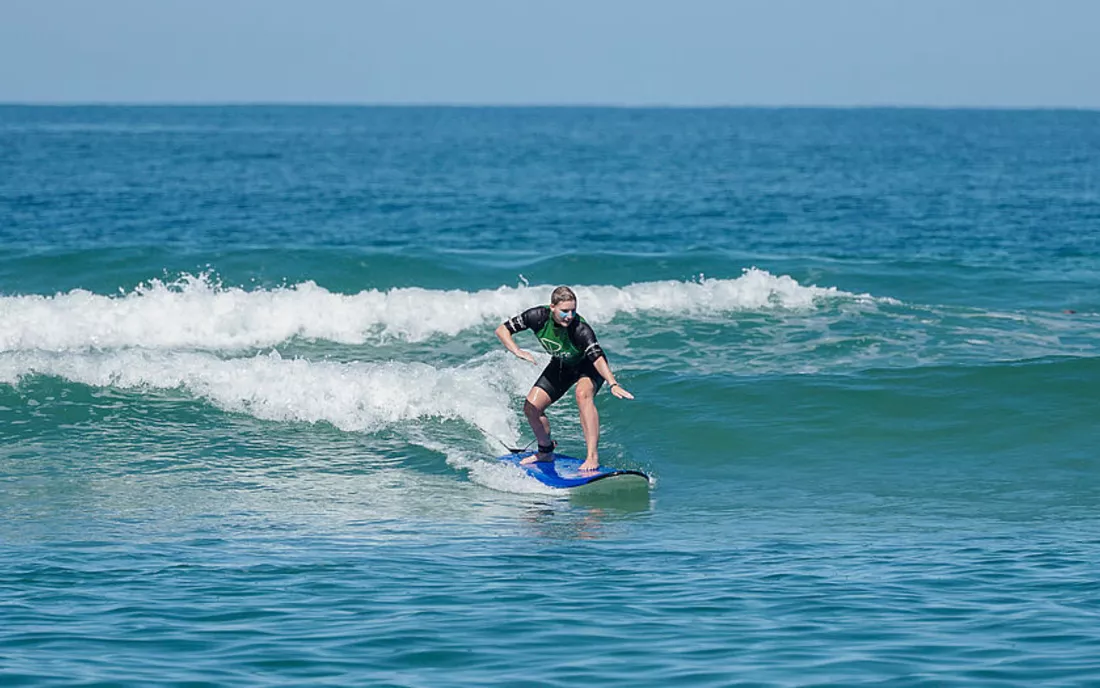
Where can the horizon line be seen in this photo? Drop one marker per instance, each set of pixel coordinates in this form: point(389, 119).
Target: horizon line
point(536, 106)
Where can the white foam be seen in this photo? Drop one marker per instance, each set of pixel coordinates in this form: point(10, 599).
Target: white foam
point(490, 473)
point(365, 397)
point(351, 396)
point(754, 290)
point(198, 313)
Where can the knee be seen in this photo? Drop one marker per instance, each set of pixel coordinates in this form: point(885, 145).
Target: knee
point(530, 410)
point(584, 397)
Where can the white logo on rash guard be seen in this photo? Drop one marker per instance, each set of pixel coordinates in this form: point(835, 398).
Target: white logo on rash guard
point(550, 345)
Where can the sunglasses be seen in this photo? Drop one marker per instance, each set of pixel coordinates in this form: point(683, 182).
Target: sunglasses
point(567, 314)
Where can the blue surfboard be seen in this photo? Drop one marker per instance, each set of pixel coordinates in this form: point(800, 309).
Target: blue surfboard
point(563, 472)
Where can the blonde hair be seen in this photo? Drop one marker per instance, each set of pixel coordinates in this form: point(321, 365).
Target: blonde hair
point(562, 294)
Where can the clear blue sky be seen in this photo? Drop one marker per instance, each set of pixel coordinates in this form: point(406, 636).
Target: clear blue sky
point(981, 53)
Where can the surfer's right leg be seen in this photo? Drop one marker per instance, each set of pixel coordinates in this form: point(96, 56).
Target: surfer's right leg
point(550, 387)
point(535, 410)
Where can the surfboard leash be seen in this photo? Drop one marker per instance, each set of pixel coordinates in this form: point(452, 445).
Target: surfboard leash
point(512, 450)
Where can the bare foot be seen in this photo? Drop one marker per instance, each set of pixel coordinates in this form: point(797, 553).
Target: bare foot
point(589, 465)
point(537, 458)
point(540, 456)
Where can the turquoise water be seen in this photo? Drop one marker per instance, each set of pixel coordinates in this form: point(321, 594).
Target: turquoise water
point(250, 397)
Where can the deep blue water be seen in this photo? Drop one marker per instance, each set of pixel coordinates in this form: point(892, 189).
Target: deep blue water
point(250, 396)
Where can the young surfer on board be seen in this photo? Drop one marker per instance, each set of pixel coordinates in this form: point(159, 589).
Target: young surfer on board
point(576, 358)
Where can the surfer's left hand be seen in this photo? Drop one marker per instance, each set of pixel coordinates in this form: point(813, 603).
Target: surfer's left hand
point(620, 392)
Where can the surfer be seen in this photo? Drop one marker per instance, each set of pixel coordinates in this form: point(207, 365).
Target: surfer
point(576, 358)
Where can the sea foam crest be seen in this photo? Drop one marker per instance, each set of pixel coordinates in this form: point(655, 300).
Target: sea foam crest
point(198, 313)
point(351, 396)
point(360, 397)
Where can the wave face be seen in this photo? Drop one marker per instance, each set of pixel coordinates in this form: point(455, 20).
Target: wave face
point(197, 312)
point(251, 396)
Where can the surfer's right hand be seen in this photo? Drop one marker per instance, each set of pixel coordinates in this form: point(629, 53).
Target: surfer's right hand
point(526, 355)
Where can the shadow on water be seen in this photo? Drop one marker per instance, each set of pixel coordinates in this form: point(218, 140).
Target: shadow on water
point(586, 517)
point(622, 501)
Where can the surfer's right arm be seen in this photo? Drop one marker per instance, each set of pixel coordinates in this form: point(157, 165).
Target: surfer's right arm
point(510, 327)
point(505, 338)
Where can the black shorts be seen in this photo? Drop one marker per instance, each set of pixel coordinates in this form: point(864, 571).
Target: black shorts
point(557, 378)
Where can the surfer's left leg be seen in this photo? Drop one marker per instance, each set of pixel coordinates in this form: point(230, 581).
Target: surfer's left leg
point(590, 422)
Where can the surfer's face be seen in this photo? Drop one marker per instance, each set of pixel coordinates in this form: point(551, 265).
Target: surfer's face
point(564, 312)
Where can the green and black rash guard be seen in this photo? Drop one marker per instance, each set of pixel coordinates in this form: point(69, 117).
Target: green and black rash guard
point(570, 344)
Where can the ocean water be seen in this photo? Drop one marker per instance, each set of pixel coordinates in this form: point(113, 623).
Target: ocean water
point(250, 397)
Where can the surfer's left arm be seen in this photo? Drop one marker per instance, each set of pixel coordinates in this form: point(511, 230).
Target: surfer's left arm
point(605, 370)
point(595, 354)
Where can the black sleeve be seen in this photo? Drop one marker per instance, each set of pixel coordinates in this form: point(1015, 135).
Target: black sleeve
point(584, 338)
point(530, 319)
